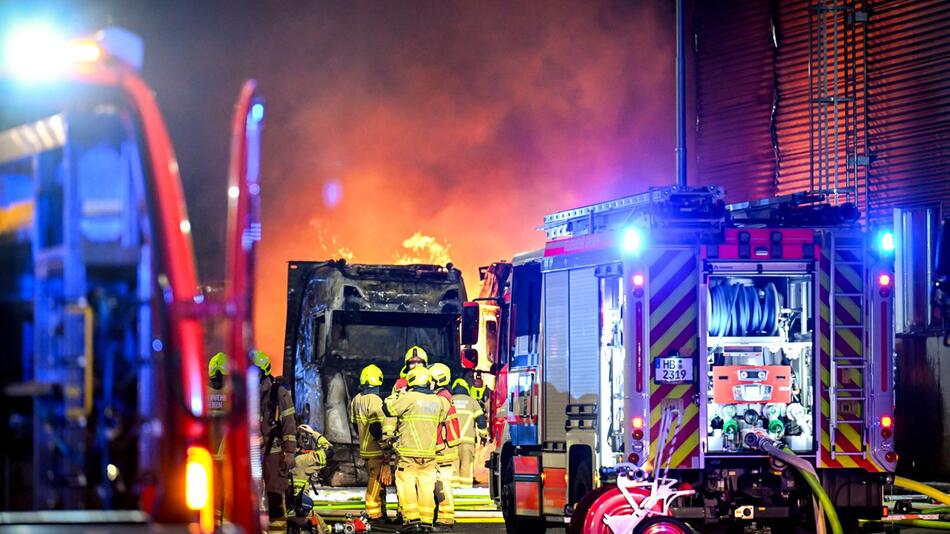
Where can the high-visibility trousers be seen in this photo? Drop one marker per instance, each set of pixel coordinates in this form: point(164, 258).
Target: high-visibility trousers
point(465, 467)
point(374, 489)
point(415, 488)
point(446, 509)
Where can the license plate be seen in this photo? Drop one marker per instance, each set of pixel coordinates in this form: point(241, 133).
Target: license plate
point(672, 370)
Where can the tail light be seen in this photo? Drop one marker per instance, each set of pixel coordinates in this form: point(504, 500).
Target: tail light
point(633, 458)
point(891, 457)
point(637, 422)
point(637, 433)
point(199, 491)
point(884, 281)
point(887, 426)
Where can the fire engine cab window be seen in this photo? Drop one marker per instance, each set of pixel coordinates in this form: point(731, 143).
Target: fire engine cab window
point(761, 363)
point(527, 295)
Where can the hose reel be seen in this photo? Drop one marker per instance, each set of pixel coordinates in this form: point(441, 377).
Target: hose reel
point(737, 309)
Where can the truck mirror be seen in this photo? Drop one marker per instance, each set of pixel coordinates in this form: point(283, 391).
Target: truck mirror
point(470, 358)
point(470, 323)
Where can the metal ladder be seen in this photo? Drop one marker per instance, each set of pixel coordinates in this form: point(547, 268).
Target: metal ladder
point(855, 400)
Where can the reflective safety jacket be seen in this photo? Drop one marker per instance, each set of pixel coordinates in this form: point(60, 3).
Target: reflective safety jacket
point(420, 413)
point(450, 433)
point(471, 418)
point(366, 413)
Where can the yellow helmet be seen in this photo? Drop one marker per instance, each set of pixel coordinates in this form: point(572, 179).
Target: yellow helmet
point(418, 376)
point(416, 352)
point(218, 364)
point(441, 374)
point(461, 383)
point(371, 375)
point(262, 360)
point(477, 393)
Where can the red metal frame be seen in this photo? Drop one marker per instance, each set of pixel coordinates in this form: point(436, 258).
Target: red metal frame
point(175, 251)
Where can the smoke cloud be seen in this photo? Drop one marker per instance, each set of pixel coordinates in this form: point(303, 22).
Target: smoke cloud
point(394, 127)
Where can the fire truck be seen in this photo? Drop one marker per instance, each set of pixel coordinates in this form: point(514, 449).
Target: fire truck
point(667, 359)
point(107, 332)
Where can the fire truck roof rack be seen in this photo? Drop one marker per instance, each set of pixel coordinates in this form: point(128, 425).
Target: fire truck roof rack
point(689, 206)
point(804, 209)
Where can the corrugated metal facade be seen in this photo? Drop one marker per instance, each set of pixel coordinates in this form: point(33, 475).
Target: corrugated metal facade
point(735, 89)
point(909, 99)
point(753, 99)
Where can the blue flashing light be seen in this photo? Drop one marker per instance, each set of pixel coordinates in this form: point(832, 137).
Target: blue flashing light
point(633, 241)
point(886, 242)
point(257, 112)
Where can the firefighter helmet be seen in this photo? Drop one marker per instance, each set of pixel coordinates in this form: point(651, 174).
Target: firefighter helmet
point(262, 360)
point(441, 374)
point(418, 377)
point(218, 364)
point(460, 383)
point(371, 375)
point(417, 353)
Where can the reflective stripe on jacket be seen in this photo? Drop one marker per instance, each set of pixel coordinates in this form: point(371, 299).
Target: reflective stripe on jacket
point(469, 411)
point(420, 413)
point(366, 410)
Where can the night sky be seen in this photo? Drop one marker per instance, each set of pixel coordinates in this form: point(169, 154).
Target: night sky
point(461, 123)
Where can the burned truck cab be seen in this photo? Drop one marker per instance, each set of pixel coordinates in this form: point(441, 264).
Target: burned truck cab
point(342, 317)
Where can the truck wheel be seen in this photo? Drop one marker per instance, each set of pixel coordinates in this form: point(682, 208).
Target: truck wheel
point(514, 523)
point(662, 525)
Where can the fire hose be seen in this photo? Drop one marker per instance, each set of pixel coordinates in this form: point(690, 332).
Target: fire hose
point(740, 310)
point(921, 488)
point(807, 471)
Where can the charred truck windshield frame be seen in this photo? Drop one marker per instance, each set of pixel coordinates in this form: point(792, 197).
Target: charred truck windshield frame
point(342, 317)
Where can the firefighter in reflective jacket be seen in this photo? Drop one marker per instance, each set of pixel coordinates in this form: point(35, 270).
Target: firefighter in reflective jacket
point(219, 401)
point(279, 433)
point(420, 413)
point(447, 454)
point(366, 414)
point(313, 450)
point(474, 428)
point(415, 357)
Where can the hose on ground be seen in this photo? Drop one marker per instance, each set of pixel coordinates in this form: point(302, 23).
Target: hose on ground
point(922, 523)
point(808, 473)
point(924, 489)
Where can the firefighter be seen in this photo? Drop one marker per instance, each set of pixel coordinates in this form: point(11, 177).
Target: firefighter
point(415, 356)
point(279, 433)
point(313, 451)
point(474, 429)
point(419, 414)
point(447, 441)
point(366, 414)
point(480, 392)
point(219, 405)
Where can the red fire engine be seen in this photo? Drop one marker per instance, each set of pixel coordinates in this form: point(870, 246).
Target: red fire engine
point(656, 353)
point(104, 300)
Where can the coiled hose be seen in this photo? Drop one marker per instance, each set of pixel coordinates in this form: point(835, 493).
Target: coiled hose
point(811, 478)
point(740, 310)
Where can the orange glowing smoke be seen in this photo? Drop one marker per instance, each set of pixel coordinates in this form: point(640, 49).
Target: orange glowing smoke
point(459, 123)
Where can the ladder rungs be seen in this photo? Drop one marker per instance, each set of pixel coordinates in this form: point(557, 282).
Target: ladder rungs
point(839, 366)
point(861, 295)
point(850, 453)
